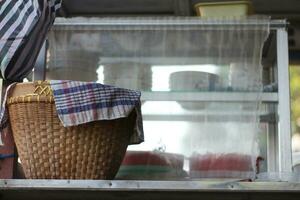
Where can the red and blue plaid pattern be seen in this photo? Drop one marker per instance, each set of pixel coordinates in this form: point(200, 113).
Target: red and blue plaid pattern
point(81, 102)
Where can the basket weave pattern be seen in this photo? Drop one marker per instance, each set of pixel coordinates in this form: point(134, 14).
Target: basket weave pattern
point(50, 151)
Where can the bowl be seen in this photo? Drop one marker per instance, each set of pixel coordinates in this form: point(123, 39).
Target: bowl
point(193, 81)
point(151, 165)
point(227, 165)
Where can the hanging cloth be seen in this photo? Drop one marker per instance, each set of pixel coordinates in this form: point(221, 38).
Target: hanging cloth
point(24, 25)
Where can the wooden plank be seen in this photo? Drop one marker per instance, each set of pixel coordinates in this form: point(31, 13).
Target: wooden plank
point(267, 6)
point(7, 165)
point(182, 8)
point(277, 8)
point(110, 7)
point(95, 195)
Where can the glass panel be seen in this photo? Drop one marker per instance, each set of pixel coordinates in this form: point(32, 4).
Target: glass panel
point(192, 59)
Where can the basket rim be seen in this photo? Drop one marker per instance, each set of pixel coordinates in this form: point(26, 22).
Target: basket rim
point(31, 96)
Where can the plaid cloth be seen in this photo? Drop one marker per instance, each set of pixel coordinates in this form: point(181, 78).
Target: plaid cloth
point(81, 102)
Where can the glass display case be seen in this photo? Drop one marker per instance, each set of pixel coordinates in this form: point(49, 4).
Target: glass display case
point(215, 93)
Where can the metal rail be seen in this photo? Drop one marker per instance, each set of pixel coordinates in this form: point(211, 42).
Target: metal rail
point(163, 21)
point(225, 185)
point(155, 190)
point(210, 96)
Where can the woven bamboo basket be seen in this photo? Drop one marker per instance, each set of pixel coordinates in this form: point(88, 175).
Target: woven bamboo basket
point(48, 150)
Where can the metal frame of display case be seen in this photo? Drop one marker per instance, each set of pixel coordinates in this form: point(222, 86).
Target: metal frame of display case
point(279, 147)
point(284, 109)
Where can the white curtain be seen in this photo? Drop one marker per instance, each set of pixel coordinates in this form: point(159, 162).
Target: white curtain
point(189, 59)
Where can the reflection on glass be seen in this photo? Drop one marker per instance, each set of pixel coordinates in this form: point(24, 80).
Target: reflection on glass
point(184, 138)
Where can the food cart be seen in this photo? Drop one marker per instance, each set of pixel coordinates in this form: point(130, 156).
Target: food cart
point(258, 103)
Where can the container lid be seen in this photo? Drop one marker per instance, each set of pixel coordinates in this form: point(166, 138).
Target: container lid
point(225, 3)
point(220, 3)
